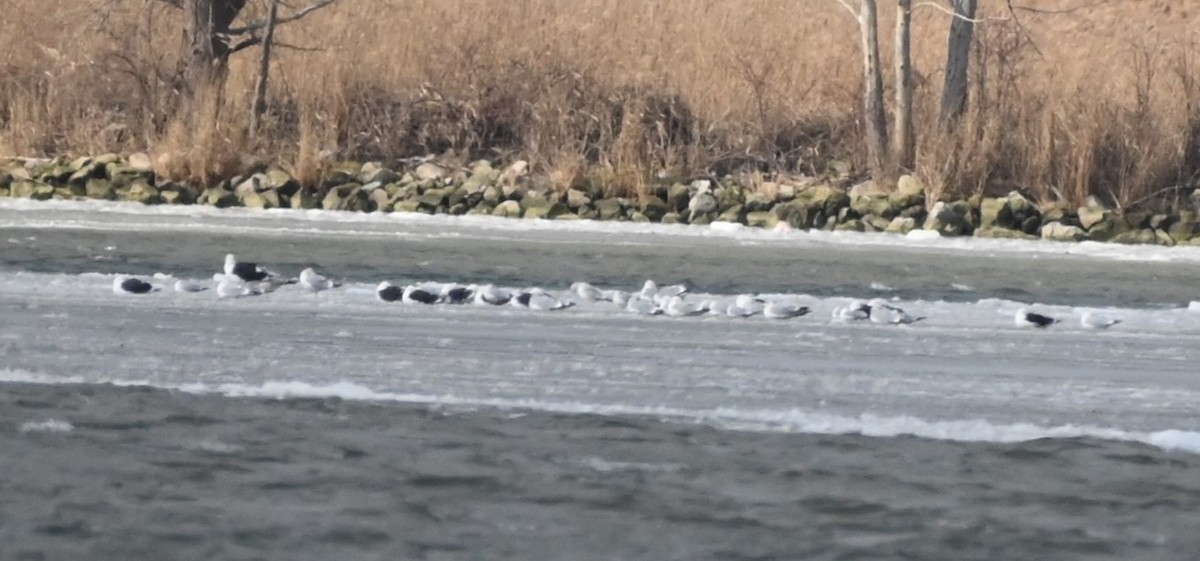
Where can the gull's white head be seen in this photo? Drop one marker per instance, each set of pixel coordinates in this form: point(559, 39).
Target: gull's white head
point(230, 261)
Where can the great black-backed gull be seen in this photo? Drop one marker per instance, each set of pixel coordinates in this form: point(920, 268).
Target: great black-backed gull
point(417, 295)
point(456, 294)
point(783, 310)
point(248, 272)
point(1026, 318)
point(125, 284)
point(882, 312)
point(388, 292)
point(1093, 320)
point(311, 280)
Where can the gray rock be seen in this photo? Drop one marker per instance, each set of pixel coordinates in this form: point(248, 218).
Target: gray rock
point(1184, 227)
point(218, 197)
point(546, 209)
point(508, 209)
point(577, 199)
point(949, 219)
point(762, 219)
point(635, 216)
point(97, 188)
point(653, 207)
point(514, 172)
point(909, 192)
point(735, 213)
point(901, 225)
point(1059, 232)
point(430, 171)
point(609, 209)
point(143, 192)
point(1091, 215)
point(408, 205)
point(758, 202)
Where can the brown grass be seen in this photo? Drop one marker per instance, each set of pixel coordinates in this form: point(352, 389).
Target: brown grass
point(1099, 99)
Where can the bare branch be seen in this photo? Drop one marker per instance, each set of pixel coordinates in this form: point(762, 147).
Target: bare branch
point(953, 14)
point(846, 4)
point(251, 28)
point(1070, 10)
point(177, 4)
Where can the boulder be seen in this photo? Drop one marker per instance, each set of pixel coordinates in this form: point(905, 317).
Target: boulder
point(653, 207)
point(577, 198)
point(762, 219)
point(99, 188)
point(824, 197)
point(429, 171)
point(636, 216)
point(280, 181)
point(1002, 233)
point(995, 213)
point(173, 193)
point(852, 225)
point(252, 199)
point(143, 192)
point(346, 197)
point(1184, 226)
point(218, 197)
point(514, 172)
point(508, 209)
point(672, 218)
point(875, 223)
point(901, 225)
point(1059, 232)
point(609, 209)
point(1108, 228)
point(678, 197)
point(909, 192)
point(1091, 215)
point(588, 212)
point(491, 195)
point(876, 205)
point(431, 199)
point(735, 213)
point(124, 175)
point(546, 209)
point(759, 202)
point(950, 219)
point(26, 189)
point(1138, 236)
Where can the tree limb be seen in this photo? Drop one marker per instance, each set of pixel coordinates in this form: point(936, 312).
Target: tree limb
point(849, 8)
point(250, 28)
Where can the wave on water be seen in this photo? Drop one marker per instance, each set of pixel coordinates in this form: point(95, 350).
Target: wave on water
point(773, 420)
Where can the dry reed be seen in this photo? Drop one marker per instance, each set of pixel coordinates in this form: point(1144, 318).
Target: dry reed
point(1076, 98)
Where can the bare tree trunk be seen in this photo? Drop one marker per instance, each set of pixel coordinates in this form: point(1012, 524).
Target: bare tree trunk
point(873, 111)
point(958, 56)
point(904, 141)
point(206, 60)
point(264, 70)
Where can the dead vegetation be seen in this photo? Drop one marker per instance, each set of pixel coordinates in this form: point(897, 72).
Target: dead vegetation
point(1077, 98)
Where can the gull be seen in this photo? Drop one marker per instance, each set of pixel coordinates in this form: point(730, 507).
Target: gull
point(587, 292)
point(416, 295)
point(388, 292)
point(231, 288)
point(676, 307)
point(651, 290)
point(189, 285)
point(618, 297)
point(856, 310)
point(312, 281)
point(248, 272)
point(781, 310)
point(490, 295)
point(1092, 320)
point(1025, 318)
point(125, 284)
point(882, 312)
point(644, 306)
point(537, 299)
point(455, 294)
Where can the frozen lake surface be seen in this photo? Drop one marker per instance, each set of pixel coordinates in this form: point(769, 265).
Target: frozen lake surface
point(966, 381)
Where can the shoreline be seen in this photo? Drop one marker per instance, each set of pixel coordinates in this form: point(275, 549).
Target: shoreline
point(781, 203)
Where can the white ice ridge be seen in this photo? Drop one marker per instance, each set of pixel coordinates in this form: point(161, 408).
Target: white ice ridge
point(765, 420)
point(108, 215)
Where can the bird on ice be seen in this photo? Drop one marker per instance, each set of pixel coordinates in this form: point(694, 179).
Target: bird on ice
point(783, 310)
point(643, 306)
point(651, 291)
point(416, 295)
point(311, 280)
point(538, 299)
point(456, 294)
point(880, 311)
point(585, 291)
point(856, 310)
point(388, 292)
point(246, 271)
point(490, 295)
point(1092, 320)
point(230, 287)
point(1026, 318)
point(125, 284)
point(189, 285)
point(677, 307)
